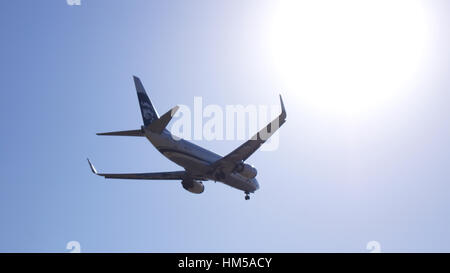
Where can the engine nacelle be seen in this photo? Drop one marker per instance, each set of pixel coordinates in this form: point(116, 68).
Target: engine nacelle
point(247, 170)
point(193, 186)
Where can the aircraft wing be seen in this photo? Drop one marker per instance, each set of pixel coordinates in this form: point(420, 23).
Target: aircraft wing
point(244, 151)
point(177, 175)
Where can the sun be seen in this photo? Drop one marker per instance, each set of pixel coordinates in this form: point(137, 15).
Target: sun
point(348, 56)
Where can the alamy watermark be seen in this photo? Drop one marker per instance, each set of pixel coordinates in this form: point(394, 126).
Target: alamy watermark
point(234, 122)
point(74, 247)
point(374, 247)
point(73, 2)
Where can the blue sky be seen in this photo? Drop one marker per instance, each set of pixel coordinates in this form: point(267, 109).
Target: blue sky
point(335, 183)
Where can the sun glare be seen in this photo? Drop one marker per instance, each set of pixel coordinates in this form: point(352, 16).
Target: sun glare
point(348, 56)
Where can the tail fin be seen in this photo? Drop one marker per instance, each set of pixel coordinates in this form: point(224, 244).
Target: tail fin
point(148, 112)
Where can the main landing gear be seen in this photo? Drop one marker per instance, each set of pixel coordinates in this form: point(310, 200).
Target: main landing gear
point(247, 197)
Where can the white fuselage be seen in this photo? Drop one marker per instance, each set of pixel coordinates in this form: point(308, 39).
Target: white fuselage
point(197, 160)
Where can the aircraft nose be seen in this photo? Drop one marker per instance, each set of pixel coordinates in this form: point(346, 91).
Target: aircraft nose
point(255, 183)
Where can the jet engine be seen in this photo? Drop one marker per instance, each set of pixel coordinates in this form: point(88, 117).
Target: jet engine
point(246, 170)
point(192, 185)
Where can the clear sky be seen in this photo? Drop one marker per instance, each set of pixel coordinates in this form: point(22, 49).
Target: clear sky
point(363, 156)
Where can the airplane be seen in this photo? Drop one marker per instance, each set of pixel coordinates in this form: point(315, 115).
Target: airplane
point(199, 164)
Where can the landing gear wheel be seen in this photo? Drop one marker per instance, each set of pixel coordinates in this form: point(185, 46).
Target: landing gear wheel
point(247, 197)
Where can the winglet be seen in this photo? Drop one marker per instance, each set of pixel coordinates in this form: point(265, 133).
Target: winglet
point(283, 110)
point(92, 167)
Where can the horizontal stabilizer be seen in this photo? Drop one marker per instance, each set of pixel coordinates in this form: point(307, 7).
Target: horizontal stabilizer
point(160, 124)
point(138, 133)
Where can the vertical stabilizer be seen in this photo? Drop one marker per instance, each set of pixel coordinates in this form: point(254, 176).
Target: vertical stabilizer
point(148, 112)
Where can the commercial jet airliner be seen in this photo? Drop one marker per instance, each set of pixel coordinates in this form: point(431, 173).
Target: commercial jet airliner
point(199, 164)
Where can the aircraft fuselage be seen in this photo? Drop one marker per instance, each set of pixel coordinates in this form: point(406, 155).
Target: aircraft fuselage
point(197, 160)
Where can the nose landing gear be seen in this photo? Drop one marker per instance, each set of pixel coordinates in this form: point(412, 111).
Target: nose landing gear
point(247, 196)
